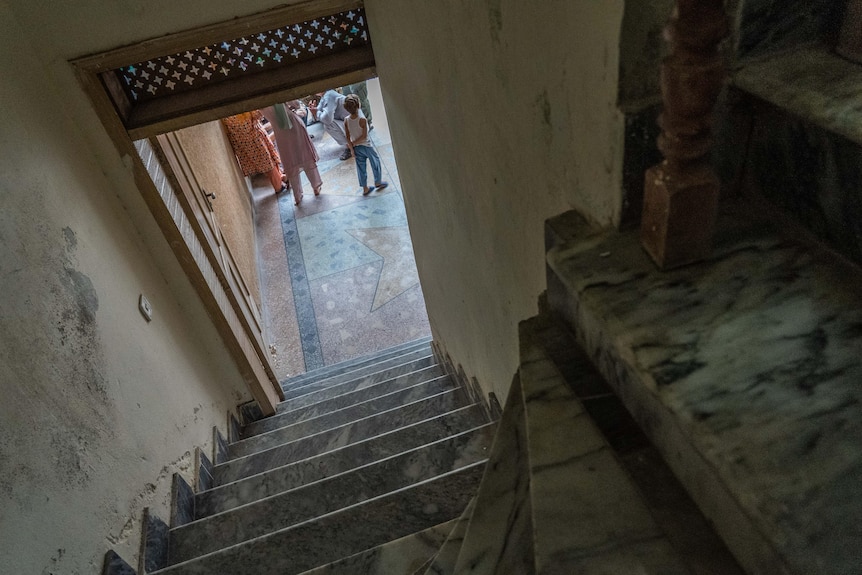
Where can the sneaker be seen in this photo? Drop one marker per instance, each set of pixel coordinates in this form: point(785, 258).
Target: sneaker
point(346, 155)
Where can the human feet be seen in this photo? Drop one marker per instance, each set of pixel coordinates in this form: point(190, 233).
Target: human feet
point(381, 185)
point(367, 190)
point(345, 155)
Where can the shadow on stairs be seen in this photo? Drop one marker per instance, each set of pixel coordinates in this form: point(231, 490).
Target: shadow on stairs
point(365, 468)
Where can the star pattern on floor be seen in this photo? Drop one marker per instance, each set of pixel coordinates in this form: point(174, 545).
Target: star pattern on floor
point(398, 273)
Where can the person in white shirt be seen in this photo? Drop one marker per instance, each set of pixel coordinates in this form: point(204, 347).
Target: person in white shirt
point(356, 129)
point(330, 112)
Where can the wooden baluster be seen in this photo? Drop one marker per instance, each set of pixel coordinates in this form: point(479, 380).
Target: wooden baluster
point(681, 193)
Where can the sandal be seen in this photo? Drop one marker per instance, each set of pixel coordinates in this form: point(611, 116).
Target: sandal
point(299, 201)
point(317, 190)
point(368, 191)
point(381, 185)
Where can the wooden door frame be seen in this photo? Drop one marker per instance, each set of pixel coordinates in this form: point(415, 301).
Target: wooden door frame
point(170, 213)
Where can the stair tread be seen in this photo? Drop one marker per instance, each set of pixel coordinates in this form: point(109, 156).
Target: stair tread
point(329, 494)
point(342, 459)
point(420, 354)
point(744, 371)
point(402, 556)
point(344, 532)
point(344, 416)
point(331, 399)
point(338, 437)
point(327, 371)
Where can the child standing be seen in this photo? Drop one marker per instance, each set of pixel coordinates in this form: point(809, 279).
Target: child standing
point(356, 129)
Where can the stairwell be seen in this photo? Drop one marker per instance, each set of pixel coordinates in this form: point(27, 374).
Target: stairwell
point(632, 441)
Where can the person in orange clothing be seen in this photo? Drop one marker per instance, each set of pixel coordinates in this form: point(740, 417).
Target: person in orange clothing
point(253, 148)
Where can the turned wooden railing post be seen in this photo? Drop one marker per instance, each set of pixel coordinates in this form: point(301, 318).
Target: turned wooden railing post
point(681, 193)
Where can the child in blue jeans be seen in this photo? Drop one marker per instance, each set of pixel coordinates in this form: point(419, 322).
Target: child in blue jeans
point(356, 129)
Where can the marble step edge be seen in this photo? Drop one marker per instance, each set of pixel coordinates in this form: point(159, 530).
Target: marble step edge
point(357, 371)
point(392, 474)
point(484, 429)
point(713, 404)
point(359, 509)
point(394, 409)
point(400, 556)
point(329, 370)
point(444, 382)
point(576, 479)
point(313, 390)
point(340, 391)
point(443, 562)
point(331, 400)
point(401, 365)
point(346, 449)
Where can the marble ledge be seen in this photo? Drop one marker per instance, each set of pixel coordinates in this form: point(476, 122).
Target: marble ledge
point(811, 82)
point(744, 371)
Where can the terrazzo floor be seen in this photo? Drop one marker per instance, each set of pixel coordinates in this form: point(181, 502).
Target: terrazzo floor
point(337, 272)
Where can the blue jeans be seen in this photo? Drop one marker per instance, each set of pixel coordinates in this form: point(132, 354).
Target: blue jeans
point(362, 153)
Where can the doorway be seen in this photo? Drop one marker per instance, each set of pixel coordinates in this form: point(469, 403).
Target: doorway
point(335, 277)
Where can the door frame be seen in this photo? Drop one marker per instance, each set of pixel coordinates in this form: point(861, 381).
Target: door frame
point(158, 181)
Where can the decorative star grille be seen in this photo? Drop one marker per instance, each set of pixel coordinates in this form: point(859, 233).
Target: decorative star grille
point(253, 53)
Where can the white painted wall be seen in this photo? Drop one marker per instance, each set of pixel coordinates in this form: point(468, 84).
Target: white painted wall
point(99, 407)
point(502, 113)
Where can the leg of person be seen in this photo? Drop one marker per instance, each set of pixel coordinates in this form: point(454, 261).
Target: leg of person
point(375, 168)
point(314, 178)
point(361, 169)
point(361, 90)
point(336, 130)
point(275, 179)
point(296, 184)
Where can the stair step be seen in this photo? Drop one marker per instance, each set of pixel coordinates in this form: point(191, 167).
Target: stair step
point(330, 463)
point(498, 538)
point(345, 532)
point(443, 562)
point(350, 364)
point(424, 355)
point(587, 512)
point(338, 397)
point(328, 440)
point(329, 494)
point(340, 417)
point(404, 556)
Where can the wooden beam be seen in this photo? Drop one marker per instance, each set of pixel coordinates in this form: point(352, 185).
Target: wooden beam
point(228, 30)
point(251, 92)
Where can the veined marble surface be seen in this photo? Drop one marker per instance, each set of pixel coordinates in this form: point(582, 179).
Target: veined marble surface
point(327, 464)
point(402, 556)
point(330, 494)
point(377, 372)
point(446, 557)
point(338, 437)
point(357, 363)
point(498, 538)
point(316, 394)
point(745, 372)
point(350, 395)
point(345, 532)
point(331, 420)
point(588, 516)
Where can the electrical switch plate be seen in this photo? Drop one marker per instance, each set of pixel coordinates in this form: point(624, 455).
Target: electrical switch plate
point(145, 307)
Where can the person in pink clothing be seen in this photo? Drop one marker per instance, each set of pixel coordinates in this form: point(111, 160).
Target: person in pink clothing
point(295, 148)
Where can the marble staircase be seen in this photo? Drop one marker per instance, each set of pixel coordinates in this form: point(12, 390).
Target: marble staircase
point(373, 460)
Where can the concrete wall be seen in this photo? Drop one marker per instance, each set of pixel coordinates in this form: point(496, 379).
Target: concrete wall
point(99, 407)
point(502, 113)
point(215, 166)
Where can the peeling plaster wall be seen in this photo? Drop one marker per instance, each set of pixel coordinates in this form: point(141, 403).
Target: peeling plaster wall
point(502, 113)
point(99, 407)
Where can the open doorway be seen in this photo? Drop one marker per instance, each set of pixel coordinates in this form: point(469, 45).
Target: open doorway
point(336, 273)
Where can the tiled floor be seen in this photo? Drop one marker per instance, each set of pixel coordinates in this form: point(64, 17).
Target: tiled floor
point(338, 274)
